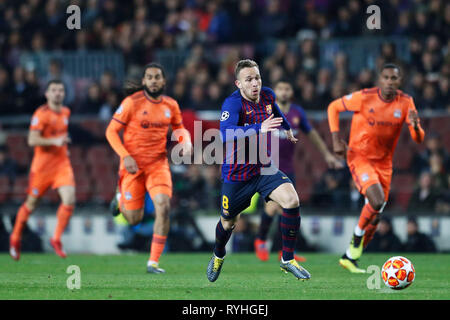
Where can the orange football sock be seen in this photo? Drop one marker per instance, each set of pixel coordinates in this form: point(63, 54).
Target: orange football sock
point(63, 215)
point(369, 232)
point(21, 219)
point(158, 243)
point(367, 215)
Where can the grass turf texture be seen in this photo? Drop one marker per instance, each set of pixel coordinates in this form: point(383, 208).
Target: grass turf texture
point(43, 276)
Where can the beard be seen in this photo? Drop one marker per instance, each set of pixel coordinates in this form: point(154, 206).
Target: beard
point(154, 94)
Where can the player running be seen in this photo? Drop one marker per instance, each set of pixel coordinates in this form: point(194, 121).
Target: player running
point(247, 112)
point(50, 167)
point(379, 114)
point(297, 118)
point(145, 117)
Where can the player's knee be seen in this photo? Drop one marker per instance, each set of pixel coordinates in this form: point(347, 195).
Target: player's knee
point(162, 207)
point(290, 201)
point(31, 203)
point(69, 200)
point(377, 204)
point(228, 224)
point(133, 217)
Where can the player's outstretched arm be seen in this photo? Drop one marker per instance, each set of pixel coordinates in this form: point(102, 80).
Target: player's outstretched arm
point(35, 139)
point(332, 161)
point(339, 145)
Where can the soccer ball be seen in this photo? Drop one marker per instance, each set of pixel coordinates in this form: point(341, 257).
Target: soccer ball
point(398, 273)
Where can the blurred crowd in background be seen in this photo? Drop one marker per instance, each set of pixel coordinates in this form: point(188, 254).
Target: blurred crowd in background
point(215, 34)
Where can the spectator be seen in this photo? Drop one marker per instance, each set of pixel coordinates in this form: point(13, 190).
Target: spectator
point(437, 170)
point(273, 22)
point(329, 192)
point(6, 101)
point(384, 239)
point(417, 241)
point(55, 71)
point(246, 19)
point(433, 144)
point(219, 30)
point(93, 101)
point(212, 187)
point(308, 97)
point(430, 99)
point(424, 196)
point(110, 105)
point(8, 167)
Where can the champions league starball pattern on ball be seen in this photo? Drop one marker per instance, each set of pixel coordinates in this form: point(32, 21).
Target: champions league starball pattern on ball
point(398, 273)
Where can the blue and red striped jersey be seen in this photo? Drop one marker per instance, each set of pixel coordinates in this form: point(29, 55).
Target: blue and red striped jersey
point(240, 125)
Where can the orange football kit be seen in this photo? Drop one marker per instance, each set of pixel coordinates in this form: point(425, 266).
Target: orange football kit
point(51, 165)
point(145, 124)
point(50, 168)
point(375, 129)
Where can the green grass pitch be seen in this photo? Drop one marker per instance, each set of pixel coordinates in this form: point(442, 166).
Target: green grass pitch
point(43, 276)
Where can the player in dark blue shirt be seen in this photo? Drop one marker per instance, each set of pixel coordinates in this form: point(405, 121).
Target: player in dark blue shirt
point(296, 116)
point(248, 117)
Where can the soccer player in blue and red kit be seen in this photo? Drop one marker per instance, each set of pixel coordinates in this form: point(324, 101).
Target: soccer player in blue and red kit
point(296, 116)
point(249, 113)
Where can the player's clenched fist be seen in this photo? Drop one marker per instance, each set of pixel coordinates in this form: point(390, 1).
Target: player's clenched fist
point(60, 141)
point(130, 164)
point(339, 146)
point(271, 124)
point(413, 118)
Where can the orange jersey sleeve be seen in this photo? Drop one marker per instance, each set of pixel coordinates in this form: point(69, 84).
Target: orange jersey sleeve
point(38, 120)
point(417, 135)
point(181, 134)
point(350, 102)
point(119, 120)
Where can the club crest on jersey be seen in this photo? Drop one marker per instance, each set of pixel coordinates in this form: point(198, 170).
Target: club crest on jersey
point(128, 195)
point(349, 96)
point(295, 120)
point(66, 121)
point(119, 109)
point(167, 113)
point(364, 177)
point(269, 109)
point(397, 113)
point(225, 115)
